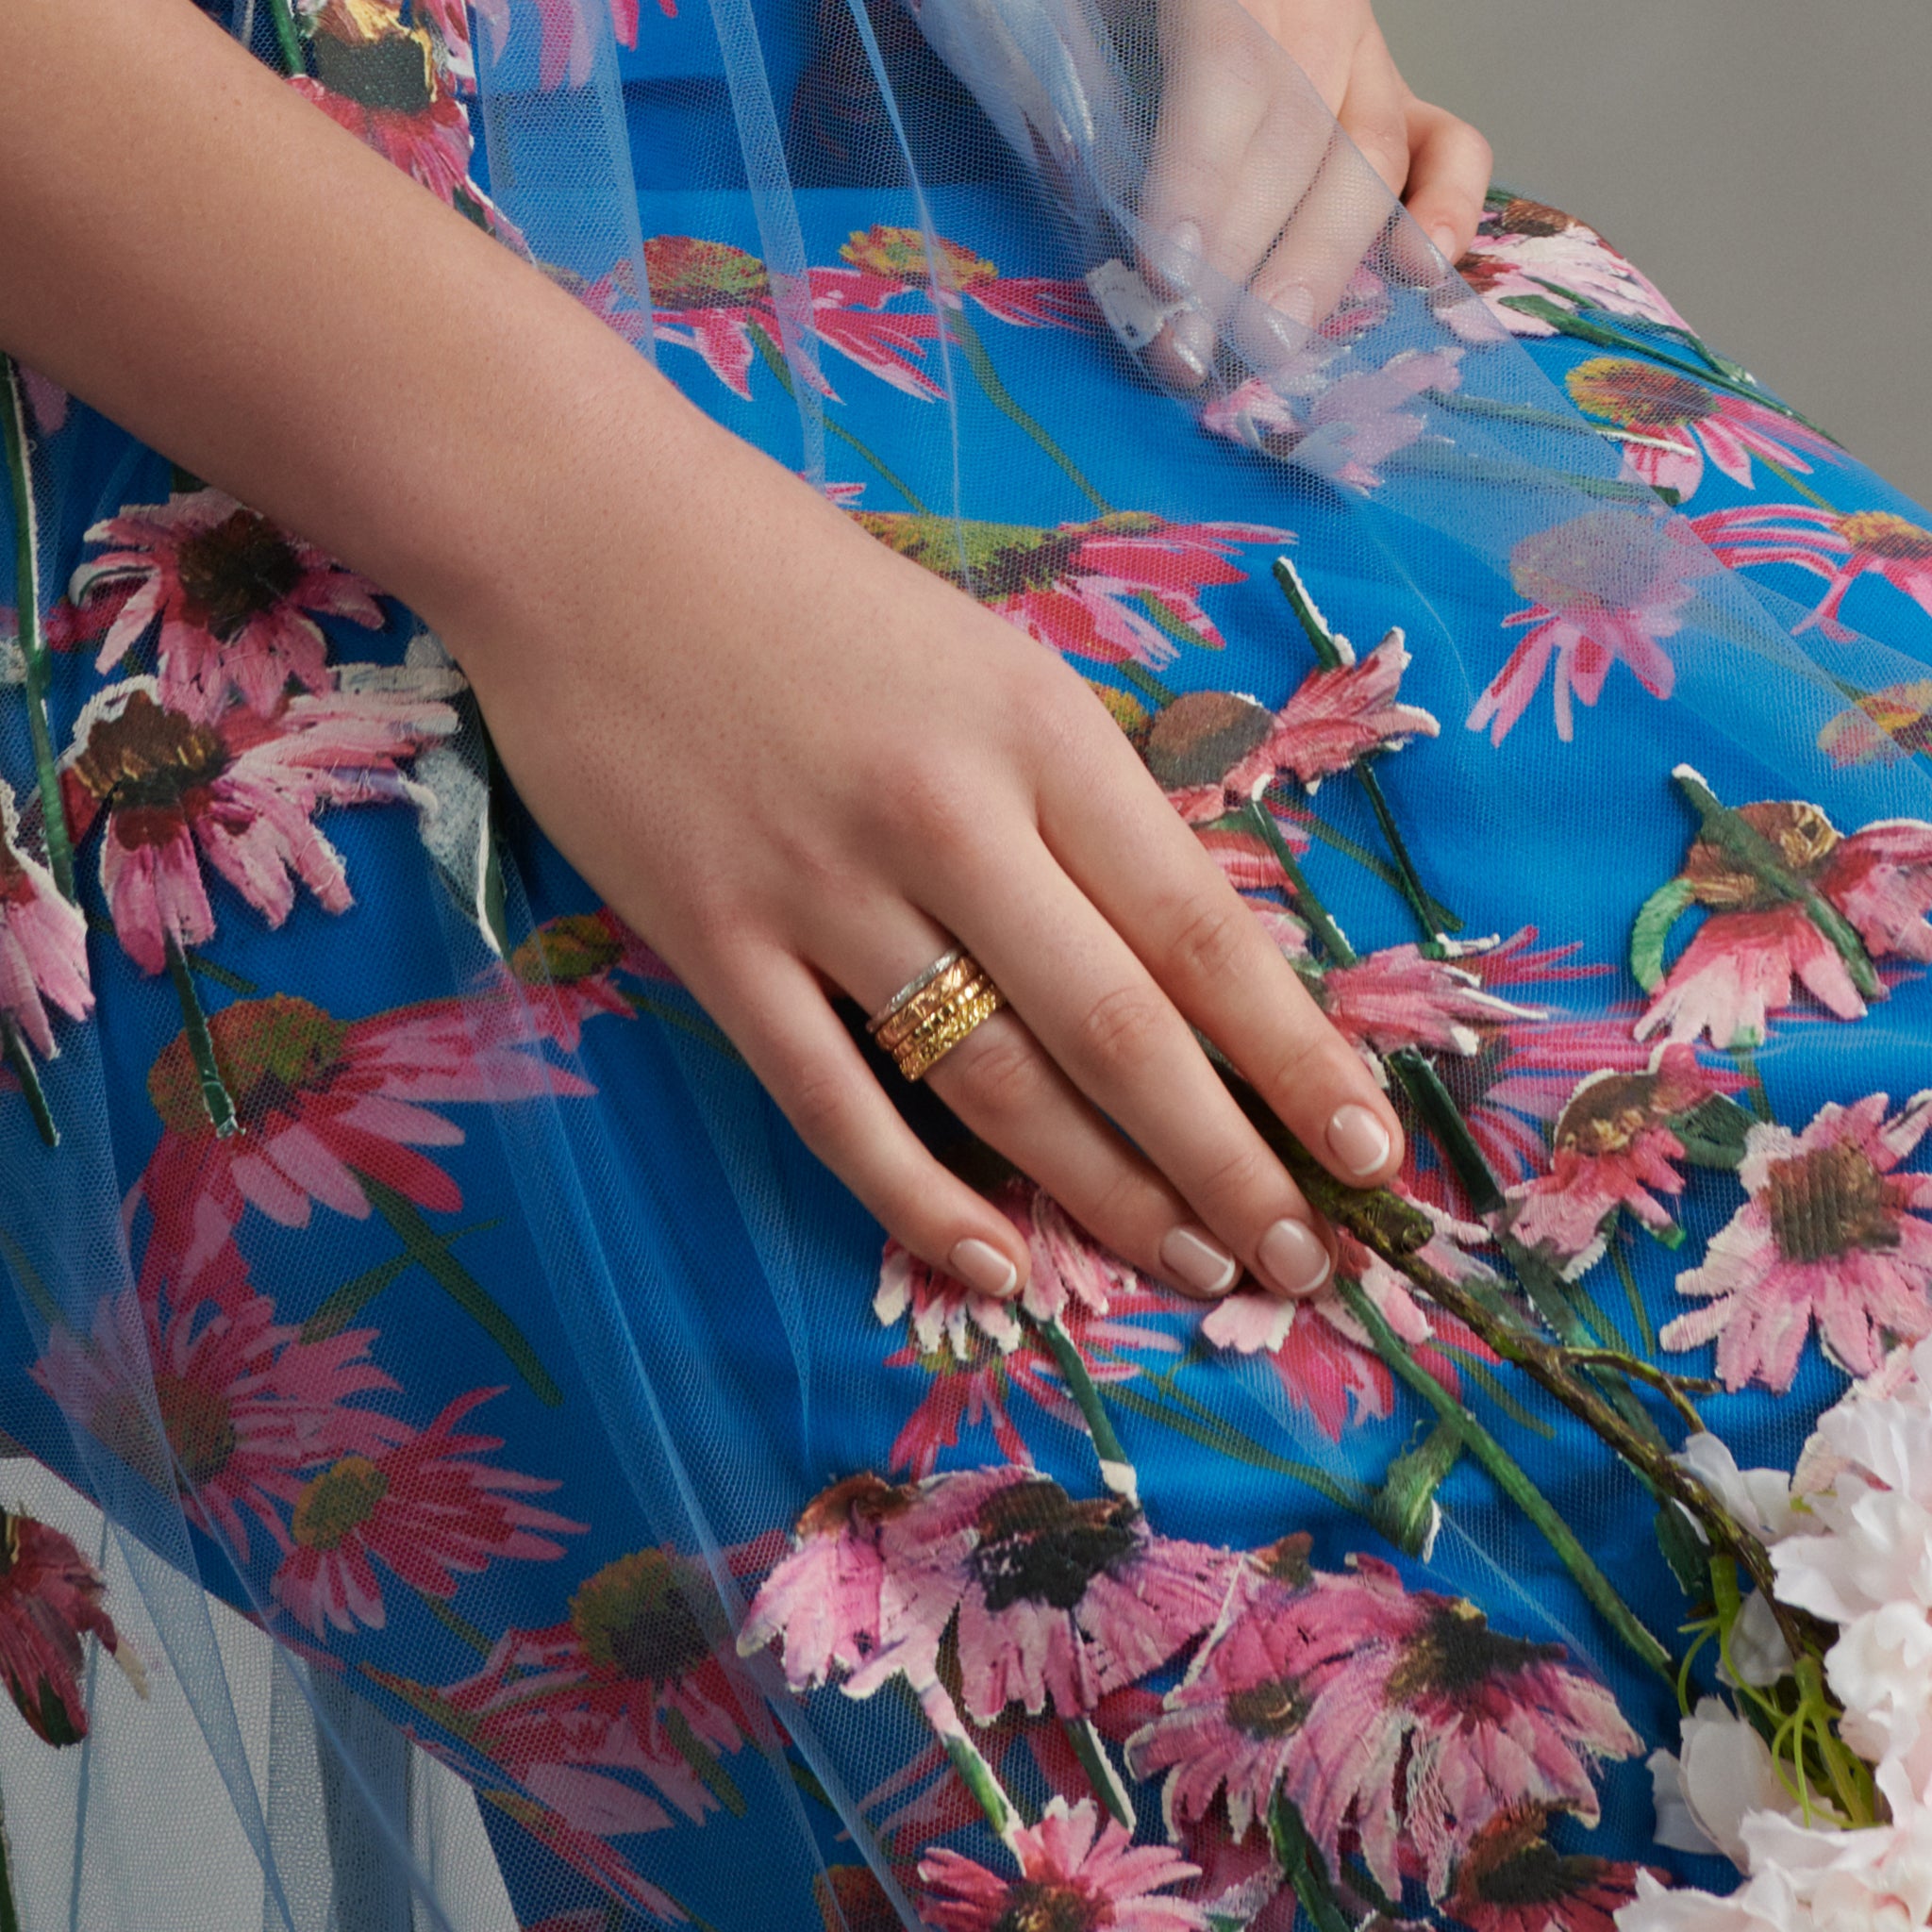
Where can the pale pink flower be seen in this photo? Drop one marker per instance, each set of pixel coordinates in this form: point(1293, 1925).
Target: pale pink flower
point(1613, 1147)
point(1526, 249)
point(1214, 751)
point(1840, 547)
point(897, 258)
point(427, 1509)
point(1606, 587)
point(242, 793)
point(50, 1598)
point(1829, 1233)
point(42, 943)
point(1073, 1874)
point(1400, 997)
point(1342, 428)
point(1756, 946)
point(1397, 1719)
point(237, 597)
point(1083, 588)
point(1672, 424)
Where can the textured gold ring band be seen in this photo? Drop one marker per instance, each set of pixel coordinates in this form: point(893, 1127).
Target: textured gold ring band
point(915, 985)
point(938, 993)
point(926, 1047)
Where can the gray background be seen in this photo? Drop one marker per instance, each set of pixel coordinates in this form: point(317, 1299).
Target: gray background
point(1768, 163)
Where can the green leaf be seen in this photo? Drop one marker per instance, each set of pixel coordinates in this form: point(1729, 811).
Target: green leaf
point(1404, 1507)
point(1713, 1132)
point(1684, 1551)
point(1654, 919)
point(1295, 1853)
point(1417, 1077)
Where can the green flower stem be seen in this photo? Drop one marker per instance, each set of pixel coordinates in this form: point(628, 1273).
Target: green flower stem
point(33, 649)
point(975, 1774)
point(286, 38)
point(1533, 418)
point(1678, 1389)
point(14, 1050)
point(1509, 1477)
point(1116, 1471)
point(1647, 1332)
point(1741, 842)
point(1254, 817)
point(433, 1255)
point(214, 1090)
point(1091, 1749)
point(341, 1306)
point(1143, 684)
point(1440, 460)
point(1301, 1864)
point(997, 393)
point(1754, 1081)
point(1329, 655)
point(1439, 915)
point(1793, 482)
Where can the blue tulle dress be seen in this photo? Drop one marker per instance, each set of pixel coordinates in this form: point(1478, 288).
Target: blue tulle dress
point(420, 1273)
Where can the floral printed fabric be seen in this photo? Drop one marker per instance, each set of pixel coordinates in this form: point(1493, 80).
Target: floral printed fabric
point(476, 1326)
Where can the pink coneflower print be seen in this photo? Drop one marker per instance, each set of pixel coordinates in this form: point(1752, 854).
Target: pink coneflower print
point(428, 1509)
point(1074, 1877)
point(242, 793)
point(51, 1597)
point(1839, 547)
point(1395, 1718)
point(1400, 997)
point(1830, 1234)
point(1893, 722)
point(42, 943)
point(1343, 427)
point(1674, 425)
point(566, 973)
point(1613, 1147)
point(385, 88)
point(963, 1391)
point(1512, 1879)
point(1212, 752)
point(715, 299)
point(1606, 587)
point(1528, 249)
point(322, 1102)
point(1756, 946)
point(897, 258)
point(1085, 589)
point(237, 597)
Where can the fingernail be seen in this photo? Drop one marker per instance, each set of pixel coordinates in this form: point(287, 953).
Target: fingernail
point(1444, 239)
point(1190, 336)
point(1175, 255)
point(1294, 1258)
point(1359, 1140)
point(981, 1265)
point(1202, 1264)
point(1295, 300)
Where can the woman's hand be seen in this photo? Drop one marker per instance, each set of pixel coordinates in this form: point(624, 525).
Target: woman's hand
point(1247, 187)
point(798, 764)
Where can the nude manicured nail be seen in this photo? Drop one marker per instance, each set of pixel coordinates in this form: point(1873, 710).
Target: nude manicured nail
point(1294, 1258)
point(1357, 1139)
point(1202, 1264)
point(981, 1265)
point(1190, 337)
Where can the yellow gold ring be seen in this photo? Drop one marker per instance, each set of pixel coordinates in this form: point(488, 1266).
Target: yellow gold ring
point(932, 1013)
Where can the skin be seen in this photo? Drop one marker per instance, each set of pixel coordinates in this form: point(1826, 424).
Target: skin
point(653, 614)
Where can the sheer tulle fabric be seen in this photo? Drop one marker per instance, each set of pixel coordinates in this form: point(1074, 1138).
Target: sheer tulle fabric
point(488, 1366)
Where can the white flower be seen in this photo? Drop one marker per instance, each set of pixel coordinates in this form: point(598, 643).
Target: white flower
point(1760, 1499)
point(1725, 1772)
point(1881, 1671)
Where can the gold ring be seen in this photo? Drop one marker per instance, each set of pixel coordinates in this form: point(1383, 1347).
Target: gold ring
point(932, 1013)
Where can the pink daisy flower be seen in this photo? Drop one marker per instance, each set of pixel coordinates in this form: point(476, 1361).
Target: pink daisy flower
point(1528, 249)
point(1606, 587)
point(427, 1508)
point(1085, 589)
point(1397, 1719)
point(1213, 750)
point(1756, 947)
point(633, 1681)
point(1891, 722)
point(717, 300)
point(386, 89)
point(897, 258)
point(1399, 997)
point(1828, 1233)
point(1342, 428)
point(237, 596)
point(566, 973)
point(323, 1101)
point(568, 42)
point(42, 943)
point(1512, 1879)
point(1673, 424)
point(1839, 547)
point(963, 1392)
point(1073, 1874)
point(51, 1597)
point(242, 793)
point(1613, 1147)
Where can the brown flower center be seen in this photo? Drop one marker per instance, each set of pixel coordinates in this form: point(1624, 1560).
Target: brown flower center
point(394, 72)
point(994, 562)
point(1201, 736)
point(1520, 217)
point(1805, 840)
point(1456, 1654)
point(1608, 1115)
point(199, 1429)
point(1270, 1709)
point(1512, 1863)
point(901, 254)
point(1036, 1904)
point(1879, 533)
point(565, 950)
point(1826, 1203)
point(686, 272)
point(859, 1502)
point(635, 1617)
point(337, 1503)
point(234, 571)
point(1636, 395)
point(851, 1899)
point(144, 761)
point(269, 1052)
point(1037, 1545)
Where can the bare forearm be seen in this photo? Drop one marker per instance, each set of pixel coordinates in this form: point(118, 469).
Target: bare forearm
point(194, 250)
